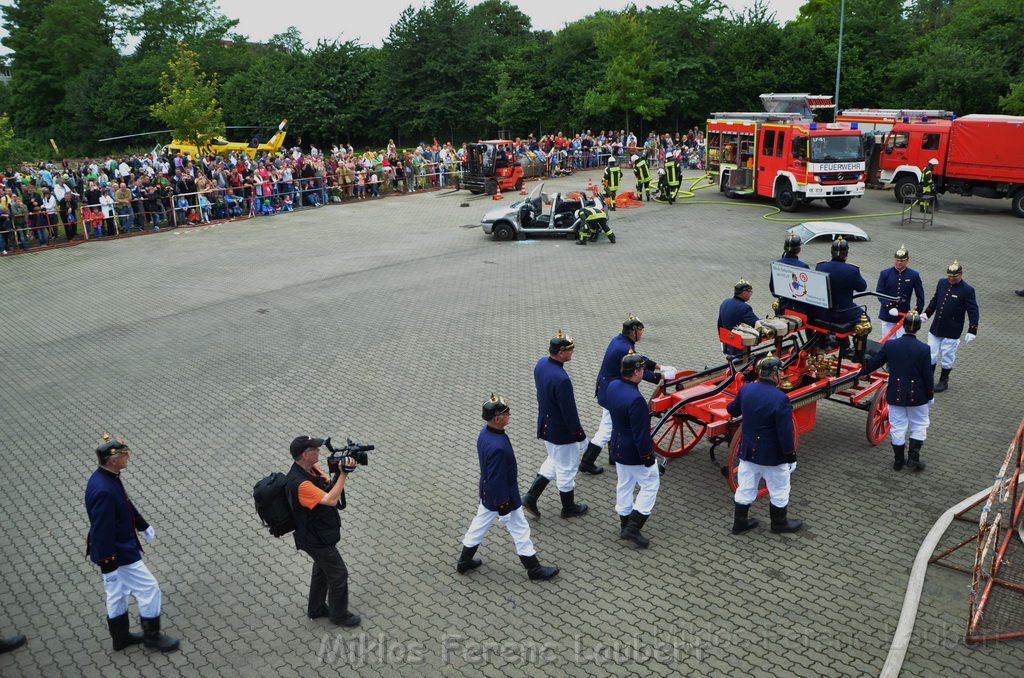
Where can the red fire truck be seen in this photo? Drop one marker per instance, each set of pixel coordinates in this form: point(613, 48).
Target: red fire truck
point(881, 120)
point(783, 154)
point(980, 155)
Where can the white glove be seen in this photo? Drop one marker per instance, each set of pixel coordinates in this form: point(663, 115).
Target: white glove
point(970, 337)
point(923, 317)
point(894, 312)
point(148, 533)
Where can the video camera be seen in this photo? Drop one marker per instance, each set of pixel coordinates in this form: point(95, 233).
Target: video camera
point(355, 450)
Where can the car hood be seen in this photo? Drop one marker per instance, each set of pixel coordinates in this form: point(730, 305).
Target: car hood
point(501, 211)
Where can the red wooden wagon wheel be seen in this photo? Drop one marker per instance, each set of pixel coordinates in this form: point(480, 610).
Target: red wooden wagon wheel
point(878, 418)
point(678, 436)
point(733, 460)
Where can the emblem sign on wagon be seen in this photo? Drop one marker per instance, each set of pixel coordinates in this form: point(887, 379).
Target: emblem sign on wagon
point(800, 284)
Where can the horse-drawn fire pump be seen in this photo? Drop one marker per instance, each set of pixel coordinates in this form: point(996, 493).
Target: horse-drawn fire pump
point(692, 405)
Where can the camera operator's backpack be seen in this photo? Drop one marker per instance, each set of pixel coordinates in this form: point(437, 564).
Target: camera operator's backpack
point(271, 497)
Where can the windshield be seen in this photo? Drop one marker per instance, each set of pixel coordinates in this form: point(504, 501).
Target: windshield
point(836, 149)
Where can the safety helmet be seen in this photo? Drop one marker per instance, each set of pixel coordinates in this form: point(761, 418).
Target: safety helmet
point(902, 253)
point(580, 213)
point(911, 322)
point(109, 447)
point(494, 406)
point(840, 248)
point(933, 161)
point(768, 367)
point(955, 268)
point(793, 242)
point(612, 161)
point(661, 170)
point(631, 323)
point(561, 342)
point(631, 362)
point(741, 286)
point(634, 158)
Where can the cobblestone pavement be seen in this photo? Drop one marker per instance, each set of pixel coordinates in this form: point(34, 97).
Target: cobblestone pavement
point(391, 321)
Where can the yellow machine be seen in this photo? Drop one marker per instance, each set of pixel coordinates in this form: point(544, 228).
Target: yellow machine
point(221, 146)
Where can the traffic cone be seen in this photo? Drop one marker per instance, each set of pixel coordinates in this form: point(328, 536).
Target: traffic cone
point(590, 185)
point(522, 191)
point(497, 193)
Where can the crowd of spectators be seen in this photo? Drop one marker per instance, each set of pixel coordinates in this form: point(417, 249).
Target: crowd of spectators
point(57, 203)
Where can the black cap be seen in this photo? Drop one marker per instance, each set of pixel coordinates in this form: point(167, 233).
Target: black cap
point(631, 323)
point(494, 406)
point(840, 247)
point(793, 242)
point(109, 447)
point(561, 342)
point(955, 268)
point(303, 443)
point(768, 367)
point(631, 362)
point(911, 323)
point(741, 286)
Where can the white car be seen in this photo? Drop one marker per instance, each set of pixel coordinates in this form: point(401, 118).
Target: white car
point(809, 230)
point(538, 214)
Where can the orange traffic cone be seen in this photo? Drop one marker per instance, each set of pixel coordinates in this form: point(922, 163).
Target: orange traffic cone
point(497, 193)
point(522, 191)
point(590, 185)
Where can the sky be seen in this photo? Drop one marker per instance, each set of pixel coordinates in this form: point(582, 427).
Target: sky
point(331, 20)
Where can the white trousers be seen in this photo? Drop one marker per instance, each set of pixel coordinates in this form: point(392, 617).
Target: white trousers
point(562, 463)
point(514, 522)
point(604, 429)
point(944, 350)
point(886, 326)
point(749, 476)
point(630, 476)
point(135, 580)
point(913, 418)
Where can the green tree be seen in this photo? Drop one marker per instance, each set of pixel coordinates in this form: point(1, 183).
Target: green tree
point(156, 24)
point(189, 105)
point(1013, 103)
point(631, 68)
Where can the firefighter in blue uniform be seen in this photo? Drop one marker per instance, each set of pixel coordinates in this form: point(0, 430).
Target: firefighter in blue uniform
point(612, 178)
point(953, 300)
point(909, 393)
point(899, 281)
point(113, 544)
point(843, 279)
point(558, 425)
point(643, 178)
point(736, 310)
point(767, 448)
point(632, 450)
point(791, 257)
point(590, 221)
point(611, 368)
point(499, 495)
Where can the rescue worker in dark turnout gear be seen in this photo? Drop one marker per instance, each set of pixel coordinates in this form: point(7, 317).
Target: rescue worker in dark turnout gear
point(643, 178)
point(612, 178)
point(592, 220)
point(767, 448)
point(928, 186)
point(671, 176)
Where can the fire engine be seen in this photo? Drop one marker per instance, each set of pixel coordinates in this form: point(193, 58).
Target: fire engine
point(881, 120)
point(980, 155)
point(783, 154)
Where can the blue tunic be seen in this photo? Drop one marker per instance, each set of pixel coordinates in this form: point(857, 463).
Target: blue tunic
point(611, 366)
point(899, 284)
point(499, 479)
point(948, 307)
point(731, 313)
point(911, 377)
point(631, 442)
point(767, 423)
point(844, 279)
point(558, 421)
point(113, 522)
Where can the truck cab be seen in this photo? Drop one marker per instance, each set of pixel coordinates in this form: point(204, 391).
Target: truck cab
point(907, 149)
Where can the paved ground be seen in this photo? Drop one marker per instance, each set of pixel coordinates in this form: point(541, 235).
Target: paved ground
point(391, 321)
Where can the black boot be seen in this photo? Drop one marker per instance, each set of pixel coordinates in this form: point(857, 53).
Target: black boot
point(632, 530)
point(897, 450)
point(623, 521)
point(780, 523)
point(536, 570)
point(533, 494)
point(12, 643)
point(466, 561)
point(581, 241)
point(119, 632)
point(740, 522)
point(611, 238)
point(570, 509)
point(155, 640)
point(587, 464)
point(943, 380)
point(914, 462)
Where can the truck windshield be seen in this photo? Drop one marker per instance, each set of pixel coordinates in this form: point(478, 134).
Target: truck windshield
point(836, 149)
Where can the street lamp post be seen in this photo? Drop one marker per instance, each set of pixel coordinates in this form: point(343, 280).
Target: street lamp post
point(839, 59)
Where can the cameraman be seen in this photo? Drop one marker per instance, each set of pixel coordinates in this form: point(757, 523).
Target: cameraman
point(314, 501)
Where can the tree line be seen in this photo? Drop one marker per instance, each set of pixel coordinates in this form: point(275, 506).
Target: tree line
point(82, 70)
